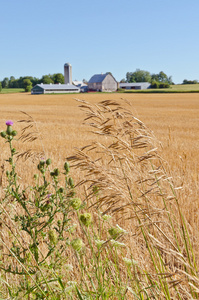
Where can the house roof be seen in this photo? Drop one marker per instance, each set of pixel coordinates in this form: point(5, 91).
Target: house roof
point(57, 86)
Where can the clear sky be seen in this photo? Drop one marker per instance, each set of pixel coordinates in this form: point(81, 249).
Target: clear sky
point(119, 36)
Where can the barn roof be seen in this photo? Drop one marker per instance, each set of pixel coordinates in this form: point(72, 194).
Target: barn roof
point(98, 78)
point(57, 86)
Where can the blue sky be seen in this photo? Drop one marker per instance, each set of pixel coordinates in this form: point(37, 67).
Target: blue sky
point(38, 37)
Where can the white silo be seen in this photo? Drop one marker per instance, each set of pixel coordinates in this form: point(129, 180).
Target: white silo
point(67, 74)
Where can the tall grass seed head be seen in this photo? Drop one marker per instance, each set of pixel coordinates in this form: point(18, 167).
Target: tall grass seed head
point(76, 203)
point(106, 217)
point(114, 232)
point(99, 243)
point(117, 244)
point(86, 219)
point(72, 228)
point(77, 244)
point(52, 237)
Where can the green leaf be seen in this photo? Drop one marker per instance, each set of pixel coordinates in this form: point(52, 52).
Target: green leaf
point(79, 294)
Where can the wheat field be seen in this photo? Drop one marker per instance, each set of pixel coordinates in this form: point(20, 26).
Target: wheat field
point(173, 118)
point(59, 131)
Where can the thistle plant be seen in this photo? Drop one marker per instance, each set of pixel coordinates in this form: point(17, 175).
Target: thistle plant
point(40, 215)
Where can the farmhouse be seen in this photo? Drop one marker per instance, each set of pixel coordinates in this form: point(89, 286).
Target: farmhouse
point(54, 88)
point(102, 83)
point(135, 86)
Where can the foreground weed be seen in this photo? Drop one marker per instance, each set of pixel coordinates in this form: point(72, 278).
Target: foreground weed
point(38, 225)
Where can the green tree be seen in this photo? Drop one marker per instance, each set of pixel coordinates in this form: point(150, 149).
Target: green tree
point(11, 81)
point(138, 76)
point(0, 87)
point(27, 85)
point(58, 78)
point(46, 79)
point(5, 83)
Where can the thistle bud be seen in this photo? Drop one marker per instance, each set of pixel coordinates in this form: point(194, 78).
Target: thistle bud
point(42, 163)
point(76, 203)
point(13, 150)
point(3, 134)
point(67, 167)
point(14, 133)
point(77, 244)
point(71, 182)
point(61, 190)
point(86, 219)
point(56, 172)
point(48, 162)
point(9, 130)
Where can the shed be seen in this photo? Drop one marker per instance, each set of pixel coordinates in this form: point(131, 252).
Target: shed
point(135, 86)
point(54, 88)
point(102, 83)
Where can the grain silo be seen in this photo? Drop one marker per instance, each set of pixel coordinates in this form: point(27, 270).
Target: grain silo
point(67, 74)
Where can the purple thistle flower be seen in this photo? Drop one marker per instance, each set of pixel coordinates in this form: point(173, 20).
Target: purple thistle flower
point(9, 123)
point(49, 195)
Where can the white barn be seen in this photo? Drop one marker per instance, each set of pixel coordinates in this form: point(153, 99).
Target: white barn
point(54, 88)
point(135, 85)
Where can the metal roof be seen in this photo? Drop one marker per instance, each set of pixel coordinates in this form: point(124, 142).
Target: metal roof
point(98, 78)
point(134, 84)
point(57, 86)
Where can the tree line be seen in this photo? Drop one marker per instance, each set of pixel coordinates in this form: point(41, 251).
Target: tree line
point(28, 82)
point(159, 80)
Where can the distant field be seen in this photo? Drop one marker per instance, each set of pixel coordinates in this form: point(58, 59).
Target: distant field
point(177, 88)
point(11, 91)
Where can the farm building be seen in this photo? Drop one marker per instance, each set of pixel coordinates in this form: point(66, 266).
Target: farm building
point(102, 83)
point(54, 88)
point(67, 87)
point(80, 84)
point(135, 86)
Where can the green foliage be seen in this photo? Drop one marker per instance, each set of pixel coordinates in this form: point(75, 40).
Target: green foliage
point(145, 76)
point(185, 81)
point(0, 87)
point(46, 79)
point(138, 76)
point(5, 82)
point(27, 85)
point(155, 85)
point(58, 78)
